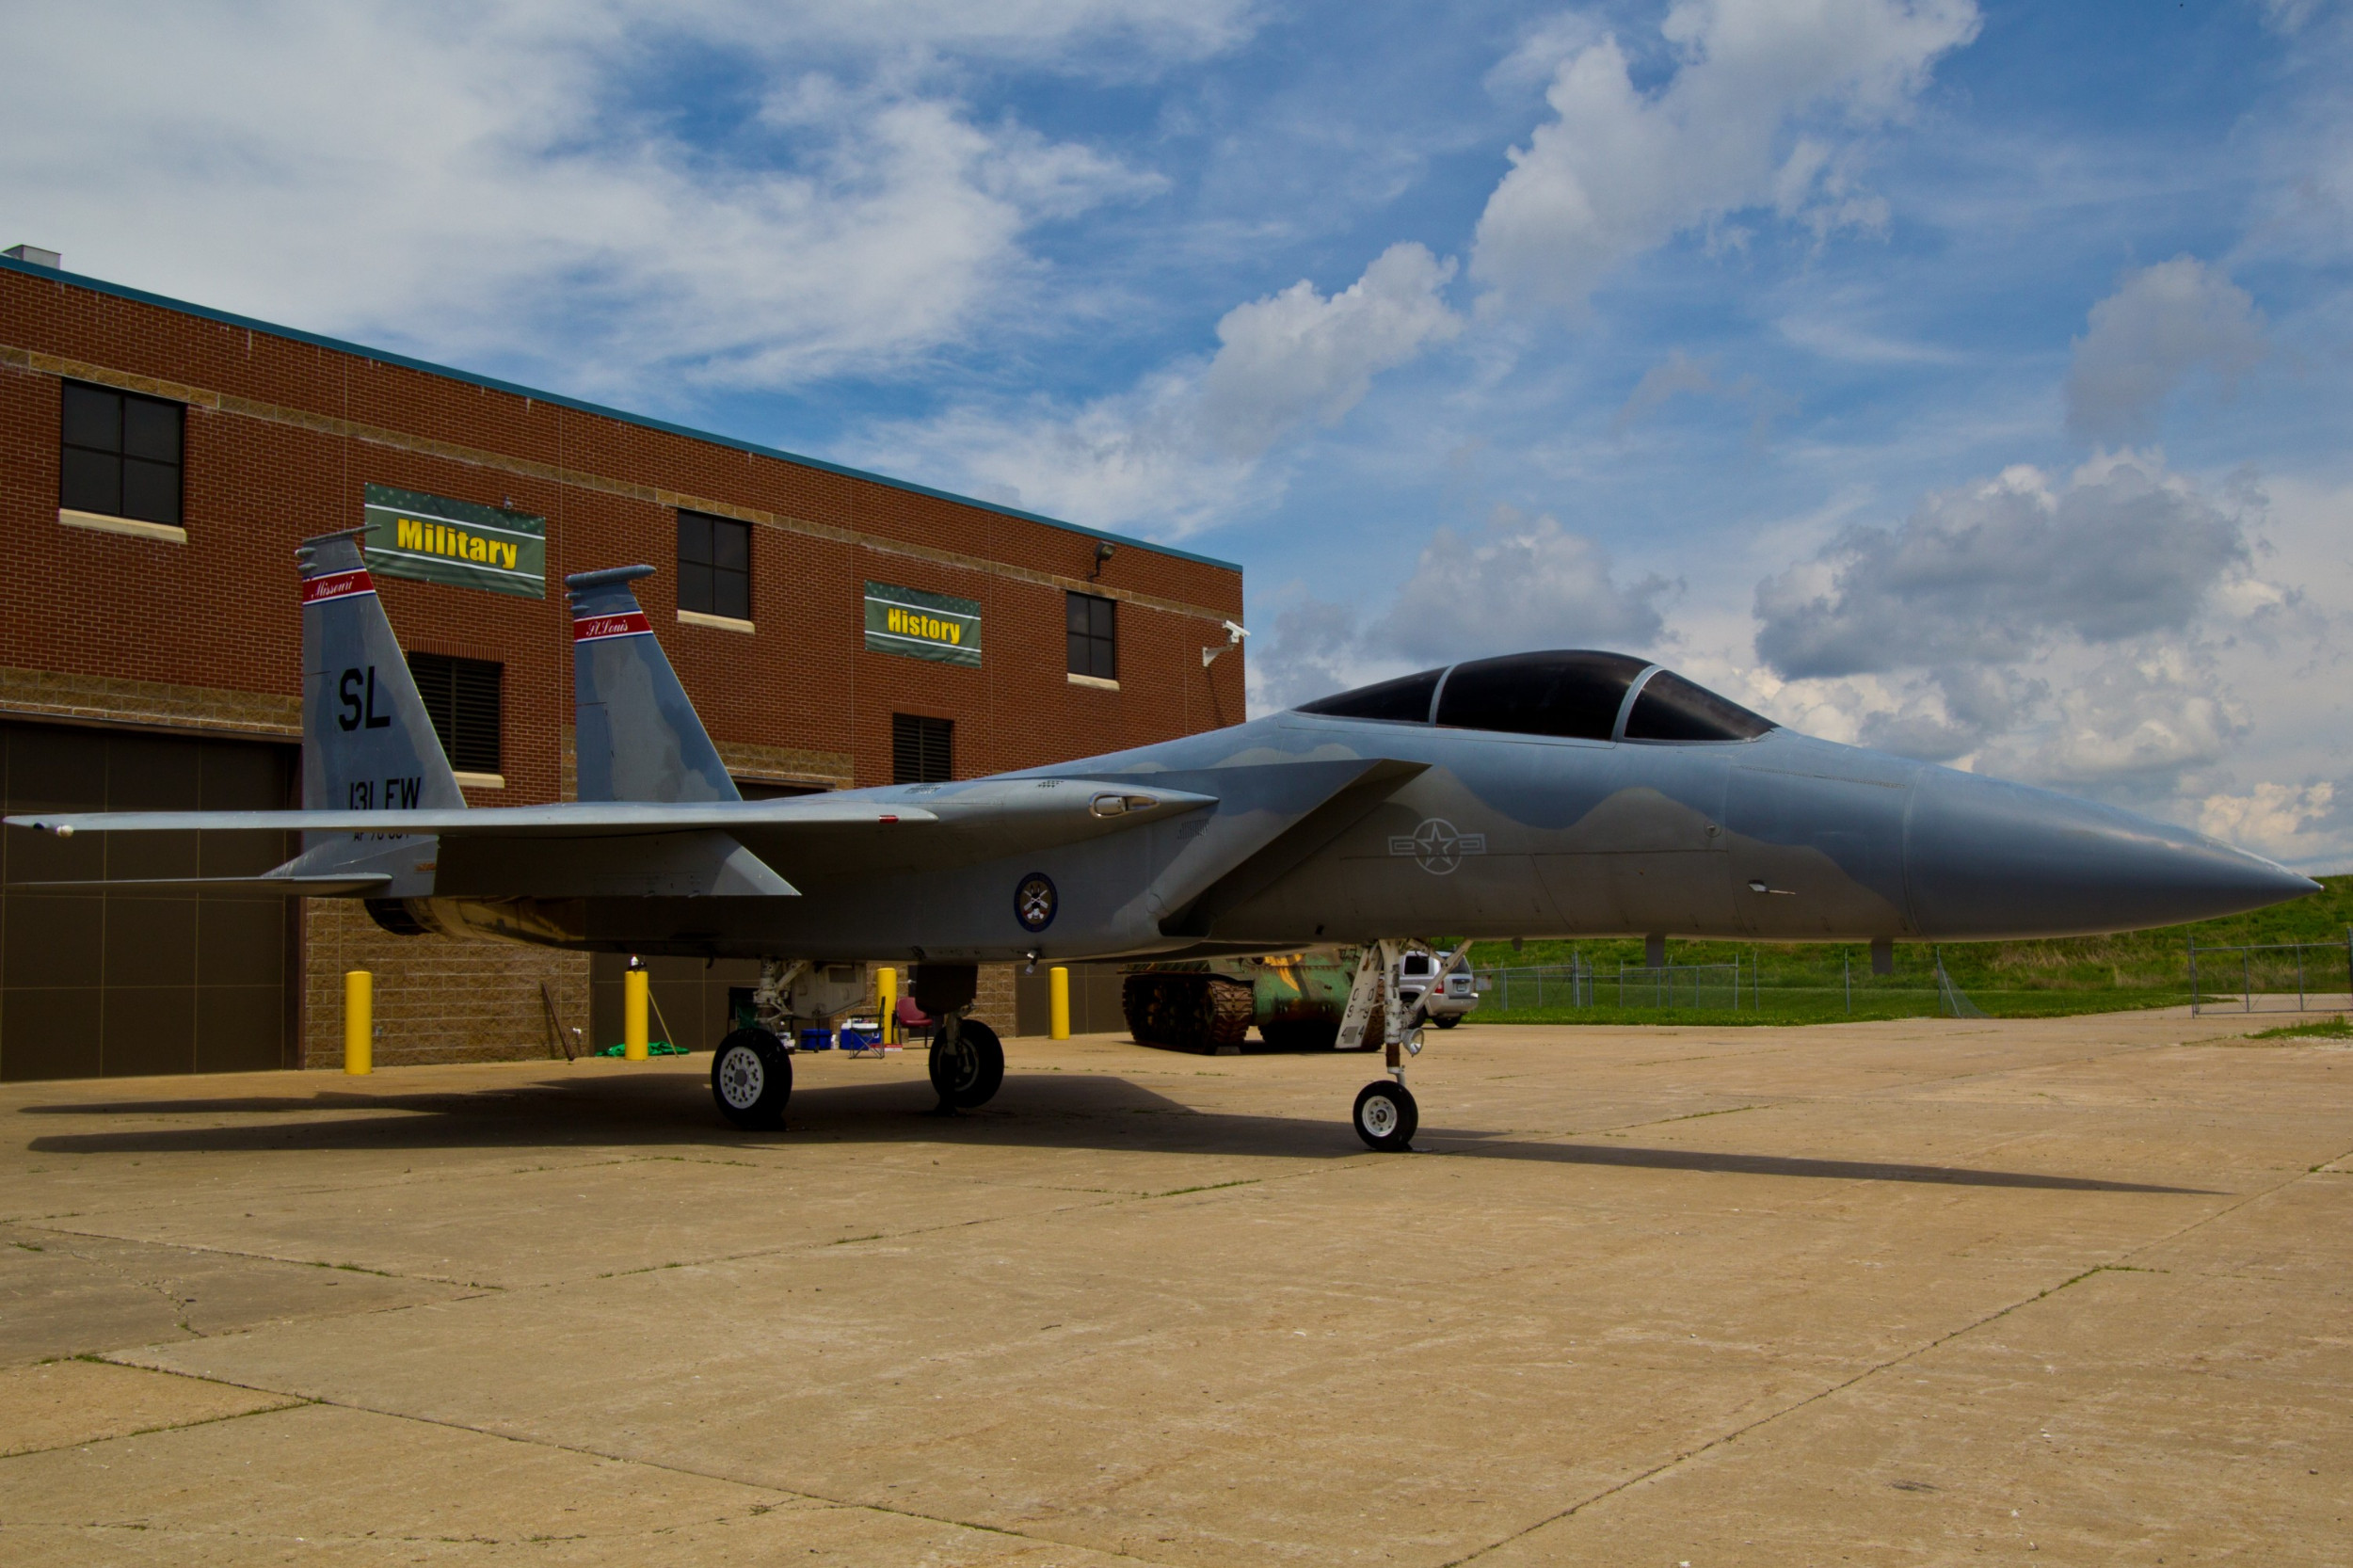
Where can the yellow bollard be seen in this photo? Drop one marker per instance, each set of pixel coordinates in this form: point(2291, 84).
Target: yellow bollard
point(359, 1022)
point(1058, 1003)
point(887, 1003)
point(634, 991)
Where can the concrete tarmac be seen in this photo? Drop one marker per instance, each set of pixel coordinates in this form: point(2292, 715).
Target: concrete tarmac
point(2074, 1291)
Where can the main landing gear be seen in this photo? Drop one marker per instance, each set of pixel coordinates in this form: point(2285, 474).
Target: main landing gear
point(968, 1059)
point(968, 1064)
point(751, 1077)
point(1385, 1116)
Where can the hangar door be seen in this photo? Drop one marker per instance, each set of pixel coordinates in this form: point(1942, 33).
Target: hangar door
point(124, 983)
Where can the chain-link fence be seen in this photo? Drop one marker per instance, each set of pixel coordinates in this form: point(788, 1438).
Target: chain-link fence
point(1770, 983)
point(2272, 977)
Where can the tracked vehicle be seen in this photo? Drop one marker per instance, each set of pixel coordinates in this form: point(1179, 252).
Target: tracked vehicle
point(1210, 1004)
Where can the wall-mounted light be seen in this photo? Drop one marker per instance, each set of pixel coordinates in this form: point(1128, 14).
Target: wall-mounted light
point(1103, 550)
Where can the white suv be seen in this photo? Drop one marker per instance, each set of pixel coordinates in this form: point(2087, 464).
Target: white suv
point(1447, 979)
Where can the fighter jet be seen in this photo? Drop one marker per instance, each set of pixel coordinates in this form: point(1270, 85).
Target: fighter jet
point(1557, 794)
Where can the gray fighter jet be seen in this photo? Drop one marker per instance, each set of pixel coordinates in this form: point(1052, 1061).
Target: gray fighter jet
point(1553, 794)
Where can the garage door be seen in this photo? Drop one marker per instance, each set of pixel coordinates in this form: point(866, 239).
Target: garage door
point(121, 983)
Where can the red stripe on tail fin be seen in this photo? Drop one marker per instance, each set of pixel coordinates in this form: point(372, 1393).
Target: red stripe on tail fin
point(589, 629)
point(337, 585)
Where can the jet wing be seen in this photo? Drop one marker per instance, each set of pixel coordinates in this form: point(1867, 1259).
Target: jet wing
point(357, 884)
point(589, 820)
point(650, 849)
point(1270, 818)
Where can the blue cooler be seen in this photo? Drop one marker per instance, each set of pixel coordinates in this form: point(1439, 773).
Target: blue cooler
point(816, 1039)
point(861, 1034)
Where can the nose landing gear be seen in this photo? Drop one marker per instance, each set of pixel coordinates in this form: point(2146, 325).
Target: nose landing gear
point(1385, 1117)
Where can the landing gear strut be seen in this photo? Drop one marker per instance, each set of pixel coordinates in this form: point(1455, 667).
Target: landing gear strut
point(968, 1061)
point(1386, 1115)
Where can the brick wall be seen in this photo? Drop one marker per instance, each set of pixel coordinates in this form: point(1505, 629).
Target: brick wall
point(282, 431)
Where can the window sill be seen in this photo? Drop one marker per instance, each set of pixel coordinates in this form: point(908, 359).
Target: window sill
point(482, 781)
point(100, 522)
point(1094, 680)
point(723, 623)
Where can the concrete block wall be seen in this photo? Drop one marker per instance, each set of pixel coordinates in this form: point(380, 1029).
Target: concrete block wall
point(436, 1000)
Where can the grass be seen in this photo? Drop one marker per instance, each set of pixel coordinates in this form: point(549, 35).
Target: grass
point(2338, 1028)
point(1806, 982)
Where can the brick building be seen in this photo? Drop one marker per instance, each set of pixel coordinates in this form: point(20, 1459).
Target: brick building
point(159, 461)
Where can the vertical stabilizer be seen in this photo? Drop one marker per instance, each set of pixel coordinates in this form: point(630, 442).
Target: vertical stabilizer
point(638, 736)
point(367, 744)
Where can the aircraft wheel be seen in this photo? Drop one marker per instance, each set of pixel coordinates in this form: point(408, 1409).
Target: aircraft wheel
point(969, 1073)
point(751, 1077)
point(1449, 1021)
point(1386, 1116)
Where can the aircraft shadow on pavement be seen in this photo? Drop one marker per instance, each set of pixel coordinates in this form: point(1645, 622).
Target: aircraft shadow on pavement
point(1033, 1110)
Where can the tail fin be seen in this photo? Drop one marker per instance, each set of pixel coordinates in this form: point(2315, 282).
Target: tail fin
point(638, 736)
point(366, 743)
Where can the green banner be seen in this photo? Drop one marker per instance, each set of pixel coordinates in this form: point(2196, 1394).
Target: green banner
point(922, 626)
point(434, 539)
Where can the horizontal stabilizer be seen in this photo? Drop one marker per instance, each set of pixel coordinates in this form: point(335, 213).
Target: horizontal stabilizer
point(285, 887)
point(701, 864)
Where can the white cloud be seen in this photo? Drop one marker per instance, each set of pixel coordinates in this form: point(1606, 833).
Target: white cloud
point(2123, 630)
point(1618, 171)
point(2162, 325)
point(2133, 723)
point(2289, 16)
point(1298, 356)
point(1518, 583)
point(1681, 374)
point(2271, 817)
point(1179, 451)
point(1994, 572)
point(488, 182)
point(1515, 583)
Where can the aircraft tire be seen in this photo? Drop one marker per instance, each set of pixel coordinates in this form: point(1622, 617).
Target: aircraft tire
point(969, 1075)
point(1386, 1117)
point(751, 1079)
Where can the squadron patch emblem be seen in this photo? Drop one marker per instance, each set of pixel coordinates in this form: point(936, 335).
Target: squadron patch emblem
point(1033, 902)
point(1436, 847)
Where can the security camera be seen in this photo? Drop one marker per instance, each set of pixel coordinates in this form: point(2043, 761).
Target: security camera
point(1233, 634)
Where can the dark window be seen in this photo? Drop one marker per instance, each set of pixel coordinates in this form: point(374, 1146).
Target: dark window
point(1671, 708)
point(1576, 695)
point(461, 697)
point(1406, 698)
point(1094, 636)
point(922, 749)
point(715, 566)
point(121, 455)
point(768, 789)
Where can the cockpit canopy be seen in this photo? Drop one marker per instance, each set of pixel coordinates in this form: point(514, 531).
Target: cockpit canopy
point(1581, 695)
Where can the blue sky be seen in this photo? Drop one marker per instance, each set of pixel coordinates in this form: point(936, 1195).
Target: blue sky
point(1969, 379)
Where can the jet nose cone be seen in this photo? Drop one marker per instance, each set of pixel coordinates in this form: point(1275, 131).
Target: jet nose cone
point(1983, 859)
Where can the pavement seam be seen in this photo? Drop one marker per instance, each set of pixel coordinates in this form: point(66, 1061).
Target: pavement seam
point(2118, 1264)
point(285, 1402)
point(264, 1257)
point(325, 1403)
